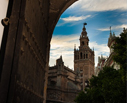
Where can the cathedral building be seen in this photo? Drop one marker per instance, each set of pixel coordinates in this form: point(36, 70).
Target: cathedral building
point(84, 58)
point(111, 41)
point(64, 84)
point(100, 64)
point(102, 61)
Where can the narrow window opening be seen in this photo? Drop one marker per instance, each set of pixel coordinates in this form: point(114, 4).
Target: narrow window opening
point(86, 55)
point(81, 55)
point(82, 42)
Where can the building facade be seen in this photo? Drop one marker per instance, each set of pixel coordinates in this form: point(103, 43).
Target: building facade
point(84, 58)
point(100, 65)
point(63, 83)
point(109, 61)
point(102, 61)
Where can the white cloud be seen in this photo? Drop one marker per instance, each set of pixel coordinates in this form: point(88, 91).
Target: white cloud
point(100, 5)
point(74, 18)
point(114, 27)
point(64, 45)
point(100, 49)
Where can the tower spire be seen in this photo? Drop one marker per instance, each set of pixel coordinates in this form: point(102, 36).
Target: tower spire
point(74, 46)
point(110, 30)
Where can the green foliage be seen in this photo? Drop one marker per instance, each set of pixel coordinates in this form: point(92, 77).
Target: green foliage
point(80, 98)
point(107, 87)
point(120, 48)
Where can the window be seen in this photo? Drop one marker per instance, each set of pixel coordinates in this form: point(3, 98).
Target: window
point(86, 55)
point(52, 83)
point(81, 55)
point(82, 42)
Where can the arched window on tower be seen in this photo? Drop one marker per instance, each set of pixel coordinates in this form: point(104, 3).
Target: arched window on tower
point(86, 56)
point(82, 42)
point(87, 43)
point(81, 55)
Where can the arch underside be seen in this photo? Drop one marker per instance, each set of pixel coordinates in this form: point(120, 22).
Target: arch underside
point(26, 51)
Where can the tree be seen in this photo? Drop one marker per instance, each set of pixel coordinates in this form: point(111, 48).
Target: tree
point(120, 49)
point(106, 88)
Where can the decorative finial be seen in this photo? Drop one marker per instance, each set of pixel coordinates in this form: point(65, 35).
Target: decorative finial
point(74, 46)
point(61, 57)
point(113, 34)
point(110, 29)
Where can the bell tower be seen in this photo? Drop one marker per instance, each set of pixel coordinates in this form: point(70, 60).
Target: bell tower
point(84, 58)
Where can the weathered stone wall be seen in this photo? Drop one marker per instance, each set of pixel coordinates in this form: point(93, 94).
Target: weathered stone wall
point(27, 53)
point(57, 95)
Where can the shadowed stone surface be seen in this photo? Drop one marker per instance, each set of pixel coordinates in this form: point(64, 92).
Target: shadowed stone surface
point(63, 83)
point(23, 74)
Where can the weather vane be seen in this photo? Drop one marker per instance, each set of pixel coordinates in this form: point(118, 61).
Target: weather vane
point(85, 24)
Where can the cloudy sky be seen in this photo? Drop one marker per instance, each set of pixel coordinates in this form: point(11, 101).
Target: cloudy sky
point(99, 16)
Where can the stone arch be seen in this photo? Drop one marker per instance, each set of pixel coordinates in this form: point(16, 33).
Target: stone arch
point(29, 33)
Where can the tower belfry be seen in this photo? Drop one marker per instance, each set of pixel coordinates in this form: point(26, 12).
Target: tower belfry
point(84, 58)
